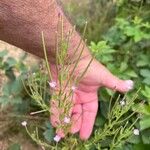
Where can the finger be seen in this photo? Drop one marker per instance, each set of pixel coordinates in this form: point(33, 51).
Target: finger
point(60, 113)
point(60, 133)
point(76, 118)
point(65, 122)
point(112, 82)
point(88, 119)
point(54, 116)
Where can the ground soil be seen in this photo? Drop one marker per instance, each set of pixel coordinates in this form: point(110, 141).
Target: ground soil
point(25, 143)
point(5, 139)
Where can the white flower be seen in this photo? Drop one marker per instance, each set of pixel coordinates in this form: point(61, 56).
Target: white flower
point(136, 131)
point(122, 103)
point(73, 88)
point(57, 138)
point(24, 123)
point(52, 84)
point(34, 73)
point(67, 120)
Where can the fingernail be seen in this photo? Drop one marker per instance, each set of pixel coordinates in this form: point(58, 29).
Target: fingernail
point(130, 84)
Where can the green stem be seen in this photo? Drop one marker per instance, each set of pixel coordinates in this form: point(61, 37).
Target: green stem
point(45, 54)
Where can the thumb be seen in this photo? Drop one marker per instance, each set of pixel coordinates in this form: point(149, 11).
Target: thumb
point(112, 82)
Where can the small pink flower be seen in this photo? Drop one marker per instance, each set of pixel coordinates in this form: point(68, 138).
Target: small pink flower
point(57, 138)
point(67, 120)
point(24, 123)
point(52, 84)
point(73, 88)
point(122, 103)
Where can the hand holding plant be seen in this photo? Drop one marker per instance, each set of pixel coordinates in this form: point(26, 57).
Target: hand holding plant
point(74, 89)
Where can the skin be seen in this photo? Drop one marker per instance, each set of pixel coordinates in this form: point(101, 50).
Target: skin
point(21, 24)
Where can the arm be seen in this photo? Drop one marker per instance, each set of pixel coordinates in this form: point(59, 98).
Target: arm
point(21, 24)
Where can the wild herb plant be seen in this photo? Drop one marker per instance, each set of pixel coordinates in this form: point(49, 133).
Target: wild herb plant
point(126, 42)
point(62, 88)
point(119, 49)
point(11, 91)
point(117, 128)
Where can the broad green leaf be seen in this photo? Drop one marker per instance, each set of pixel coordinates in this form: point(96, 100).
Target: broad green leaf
point(10, 73)
point(49, 132)
point(48, 125)
point(147, 80)
point(122, 23)
point(145, 122)
point(144, 60)
point(142, 63)
point(101, 48)
point(123, 66)
point(130, 31)
point(3, 53)
point(137, 20)
point(145, 72)
point(7, 89)
point(49, 135)
point(16, 86)
point(105, 58)
point(131, 73)
point(142, 108)
point(146, 25)
point(113, 38)
point(11, 62)
point(141, 146)
point(4, 100)
point(21, 67)
point(139, 36)
point(126, 146)
point(146, 137)
point(146, 92)
point(134, 139)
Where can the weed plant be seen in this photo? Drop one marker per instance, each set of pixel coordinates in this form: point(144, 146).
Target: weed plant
point(125, 46)
point(118, 126)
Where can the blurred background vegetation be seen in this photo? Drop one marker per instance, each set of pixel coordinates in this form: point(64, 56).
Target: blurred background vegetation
point(118, 33)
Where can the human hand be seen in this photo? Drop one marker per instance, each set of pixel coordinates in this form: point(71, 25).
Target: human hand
point(85, 100)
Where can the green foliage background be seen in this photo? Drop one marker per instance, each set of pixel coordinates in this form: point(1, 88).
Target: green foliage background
point(118, 33)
